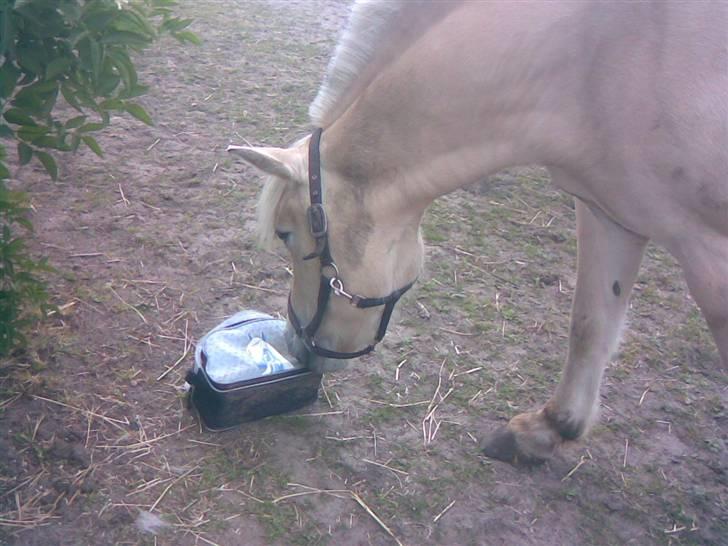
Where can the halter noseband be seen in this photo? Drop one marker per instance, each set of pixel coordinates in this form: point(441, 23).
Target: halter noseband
point(330, 281)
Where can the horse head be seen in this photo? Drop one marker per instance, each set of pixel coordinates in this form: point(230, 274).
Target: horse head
point(355, 249)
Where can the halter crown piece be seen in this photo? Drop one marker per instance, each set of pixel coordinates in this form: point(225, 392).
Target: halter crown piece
point(330, 281)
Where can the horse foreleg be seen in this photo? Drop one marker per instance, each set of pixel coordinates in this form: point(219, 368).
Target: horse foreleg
point(608, 258)
point(705, 263)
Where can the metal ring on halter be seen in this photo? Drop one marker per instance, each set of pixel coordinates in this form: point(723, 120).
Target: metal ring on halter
point(335, 269)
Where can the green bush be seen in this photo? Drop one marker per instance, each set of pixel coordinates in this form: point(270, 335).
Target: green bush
point(53, 52)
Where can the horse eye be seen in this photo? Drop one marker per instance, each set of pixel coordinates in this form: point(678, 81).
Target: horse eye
point(283, 235)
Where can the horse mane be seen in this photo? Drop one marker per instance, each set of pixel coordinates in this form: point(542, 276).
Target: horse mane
point(377, 32)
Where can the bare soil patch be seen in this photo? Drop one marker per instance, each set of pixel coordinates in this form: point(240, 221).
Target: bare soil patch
point(154, 245)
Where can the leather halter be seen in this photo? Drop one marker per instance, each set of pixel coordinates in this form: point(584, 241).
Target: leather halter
point(330, 281)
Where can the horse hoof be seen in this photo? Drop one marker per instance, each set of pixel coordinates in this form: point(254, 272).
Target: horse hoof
point(502, 444)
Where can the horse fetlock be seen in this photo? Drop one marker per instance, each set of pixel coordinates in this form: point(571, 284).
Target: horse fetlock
point(564, 422)
point(528, 439)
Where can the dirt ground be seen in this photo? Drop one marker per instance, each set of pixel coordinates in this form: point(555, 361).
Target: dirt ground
point(154, 245)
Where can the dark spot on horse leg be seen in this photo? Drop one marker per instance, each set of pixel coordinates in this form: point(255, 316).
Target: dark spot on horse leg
point(616, 288)
point(563, 422)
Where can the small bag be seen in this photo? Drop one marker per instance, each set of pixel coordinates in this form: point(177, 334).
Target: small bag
point(240, 376)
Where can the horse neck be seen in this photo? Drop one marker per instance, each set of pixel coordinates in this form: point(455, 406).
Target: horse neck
point(483, 89)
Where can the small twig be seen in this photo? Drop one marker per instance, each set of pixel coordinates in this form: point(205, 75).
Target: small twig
point(148, 485)
point(393, 405)
point(396, 372)
point(642, 398)
point(86, 255)
point(166, 490)
point(145, 443)
point(320, 414)
point(438, 516)
point(582, 461)
point(203, 539)
point(270, 290)
point(336, 493)
point(311, 491)
point(123, 197)
point(326, 394)
point(129, 305)
point(386, 466)
point(114, 422)
point(456, 333)
point(150, 206)
point(369, 511)
point(473, 370)
point(626, 450)
point(204, 443)
point(10, 400)
point(187, 346)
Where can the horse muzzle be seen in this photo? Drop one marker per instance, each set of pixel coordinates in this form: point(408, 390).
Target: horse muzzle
point(317, 363)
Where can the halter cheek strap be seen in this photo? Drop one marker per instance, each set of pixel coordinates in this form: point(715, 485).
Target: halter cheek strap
point(332, 283)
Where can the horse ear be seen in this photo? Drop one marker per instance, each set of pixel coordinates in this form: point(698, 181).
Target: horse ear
point(275, 161)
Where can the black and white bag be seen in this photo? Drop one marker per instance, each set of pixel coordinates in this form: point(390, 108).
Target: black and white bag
point(239, 375)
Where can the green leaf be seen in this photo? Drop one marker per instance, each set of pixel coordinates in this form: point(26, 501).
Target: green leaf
point(100, 20)
point(130, 20)
point(71, 12)
point(7, 29)
point(28, 100)
point(49, 102)
point(125, 68)
point(91, 143)
point(30, 133)
point(175, 24)
point(16, 116)
point(188, 36)
point(107, 83)
point(11, 249)
point(138, 112)
point(136, 91)
point(70, 96)
point(30, 59)
point(131, 39)
point(46, 141)
point(49, 163)
point(56, 67)
point(112, 104)
point(24, 222)
point(4, 173)
point(25, 153)
point(73, 123)
point(44, 87)
point(91, 127)
point(8, 77)
point(90, 53)
point(6, 132)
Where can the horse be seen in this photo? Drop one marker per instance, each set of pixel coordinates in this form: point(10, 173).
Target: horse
point(625, 104)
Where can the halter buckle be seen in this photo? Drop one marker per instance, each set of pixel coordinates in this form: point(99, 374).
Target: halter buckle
point(317, 223)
